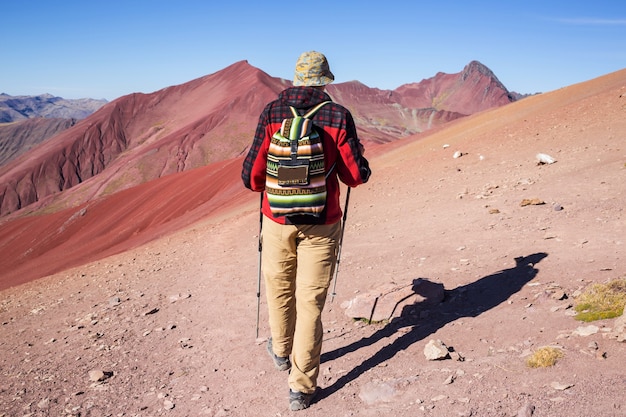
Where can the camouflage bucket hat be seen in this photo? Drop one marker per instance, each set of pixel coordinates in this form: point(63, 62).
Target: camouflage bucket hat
point(312, 70)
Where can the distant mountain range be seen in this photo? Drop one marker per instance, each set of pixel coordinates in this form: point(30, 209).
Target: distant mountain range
point(141, 137)
point(20, 137)
point(17, 108)
point(26, 121)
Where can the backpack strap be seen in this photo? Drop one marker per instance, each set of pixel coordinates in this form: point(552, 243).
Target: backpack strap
point(294, 111)
point(299, 126)
point(311, 112)
point(315, 109)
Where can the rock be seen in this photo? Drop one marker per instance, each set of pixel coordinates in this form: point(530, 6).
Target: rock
point(559, 386)
point(436, 350)
point(390, 300)
point(457, 154)
point(543, 158)
point(176, 297)
point(531, 202)
point(150, 312)
point(98, 375)
point(43, 403)
point(114, 301)
point(559, 295)
point(587, 330)
point(527, 410)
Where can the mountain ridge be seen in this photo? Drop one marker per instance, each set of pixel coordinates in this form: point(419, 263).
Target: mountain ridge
point(140, 137)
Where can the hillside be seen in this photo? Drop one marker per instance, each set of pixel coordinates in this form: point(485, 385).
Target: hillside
point(165, 325)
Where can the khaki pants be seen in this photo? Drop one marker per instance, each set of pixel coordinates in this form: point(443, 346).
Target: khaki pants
point(298, 263)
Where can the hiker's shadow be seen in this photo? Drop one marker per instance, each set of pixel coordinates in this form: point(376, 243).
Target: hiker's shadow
point(469, 300)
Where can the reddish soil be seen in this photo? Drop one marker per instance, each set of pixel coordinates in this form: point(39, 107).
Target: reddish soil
point(169, 321)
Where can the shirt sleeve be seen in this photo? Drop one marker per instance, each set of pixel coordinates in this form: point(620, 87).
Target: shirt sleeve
point(352, 167)
point(254, 164)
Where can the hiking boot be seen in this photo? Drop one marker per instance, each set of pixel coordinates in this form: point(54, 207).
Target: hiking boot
point(282, 364)
point(299, 400)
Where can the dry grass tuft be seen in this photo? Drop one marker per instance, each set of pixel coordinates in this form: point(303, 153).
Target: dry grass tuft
point(544, 357)
point(602, 301)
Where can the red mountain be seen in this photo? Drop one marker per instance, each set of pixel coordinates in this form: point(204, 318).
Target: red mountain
point(386, 115)
point(141, 137)
point(474, 89)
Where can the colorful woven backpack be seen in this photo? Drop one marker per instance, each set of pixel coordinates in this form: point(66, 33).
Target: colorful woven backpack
point(296, 176)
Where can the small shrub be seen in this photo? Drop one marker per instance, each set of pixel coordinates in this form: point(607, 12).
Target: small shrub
point(602, 301)
point(544, 357)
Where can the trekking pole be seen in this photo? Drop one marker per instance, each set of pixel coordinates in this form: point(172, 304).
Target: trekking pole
point(258, 287)
point(343, 227)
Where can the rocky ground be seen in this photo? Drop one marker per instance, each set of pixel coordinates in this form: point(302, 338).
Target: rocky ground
point(169, 328)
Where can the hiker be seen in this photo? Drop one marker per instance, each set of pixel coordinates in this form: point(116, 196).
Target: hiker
point(299, 250)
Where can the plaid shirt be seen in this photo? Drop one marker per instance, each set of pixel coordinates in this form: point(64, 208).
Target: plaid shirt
point(342, 148)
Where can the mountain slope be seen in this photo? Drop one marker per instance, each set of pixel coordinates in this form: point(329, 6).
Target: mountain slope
point(36, 245)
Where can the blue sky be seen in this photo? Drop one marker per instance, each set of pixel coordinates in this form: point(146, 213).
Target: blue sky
point(107, 49)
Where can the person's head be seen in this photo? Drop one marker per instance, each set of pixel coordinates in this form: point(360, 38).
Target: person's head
point(312, 70)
